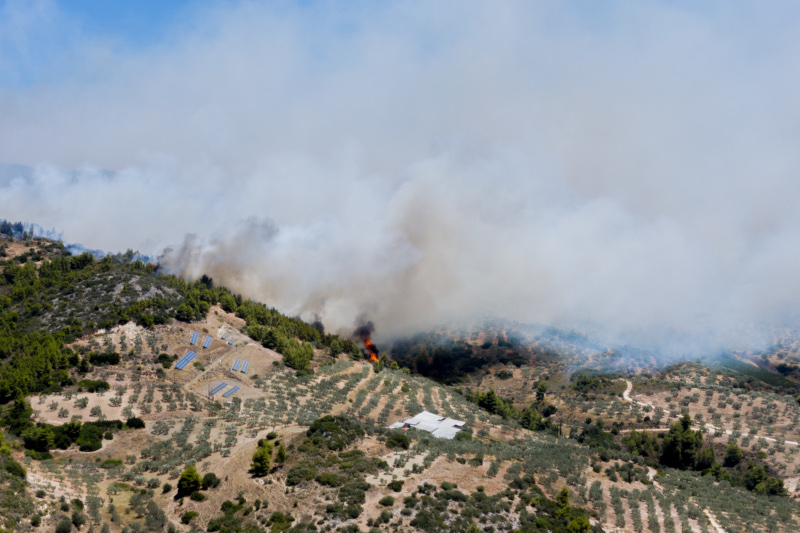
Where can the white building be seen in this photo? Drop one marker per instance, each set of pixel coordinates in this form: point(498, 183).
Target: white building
point(443, 428)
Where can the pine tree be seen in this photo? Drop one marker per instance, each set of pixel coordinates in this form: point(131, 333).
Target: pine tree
point(734, 455)
point(189, 481)
point(262, 459)
point(280, 457)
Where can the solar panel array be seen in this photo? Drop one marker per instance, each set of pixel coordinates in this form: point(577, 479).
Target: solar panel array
point(225, 336)
point(207, 342)
point(231, 341)
point(185, 360)
point(218, 388)
point(245, 366)
point(236, 365)
point(230, 392)
point(194, 338)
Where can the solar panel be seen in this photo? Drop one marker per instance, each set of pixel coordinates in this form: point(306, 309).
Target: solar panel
point(236, 365)
point(194, 338)
point(207, 342)
point(225, 336)
point(185, 360)
point(230, 342)
point(218, 388)
point(245, 366)
point(230, 392)
point(180, 364)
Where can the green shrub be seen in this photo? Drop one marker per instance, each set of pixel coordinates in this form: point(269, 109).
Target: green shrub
point(91, 385)
point(38, 456)
point(386, 501)
point(165, 360)
point(280, 522)
point(197, 496)
point(111, 463)
point(464, 435)
point(396, 485)
point(78, 518)
point(398, 440)
point(135, 423)
point(334, 432)
point(330, 479)
point(64, 525)
point(210, 481)
point(15, 469)
point(90, 438)
point(187, 516)
point(303, 471)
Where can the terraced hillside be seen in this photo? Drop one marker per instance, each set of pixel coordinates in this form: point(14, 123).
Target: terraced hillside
point(102, 430)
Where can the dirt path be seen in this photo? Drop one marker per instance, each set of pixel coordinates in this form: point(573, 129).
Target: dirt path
point(627, 397)
point(713, 520)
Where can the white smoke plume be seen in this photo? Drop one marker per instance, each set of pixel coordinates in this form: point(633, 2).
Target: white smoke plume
point(633, 169)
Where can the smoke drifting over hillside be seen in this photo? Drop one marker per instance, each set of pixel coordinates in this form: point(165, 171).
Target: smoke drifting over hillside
point(634, 170)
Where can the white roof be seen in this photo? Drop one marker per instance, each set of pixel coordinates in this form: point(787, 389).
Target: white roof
point(442, 427)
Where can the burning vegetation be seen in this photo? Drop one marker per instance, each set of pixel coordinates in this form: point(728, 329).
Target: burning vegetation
point(364, 332)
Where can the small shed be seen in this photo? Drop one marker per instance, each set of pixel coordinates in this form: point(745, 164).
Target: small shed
point(441, 427)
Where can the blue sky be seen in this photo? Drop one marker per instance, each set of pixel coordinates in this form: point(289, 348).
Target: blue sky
point(137, 22)
point(41, 41)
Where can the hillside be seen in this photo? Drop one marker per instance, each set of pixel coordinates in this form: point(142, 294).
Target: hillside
point(89, 351)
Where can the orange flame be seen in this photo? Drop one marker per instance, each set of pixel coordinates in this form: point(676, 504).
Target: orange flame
point(373, 350)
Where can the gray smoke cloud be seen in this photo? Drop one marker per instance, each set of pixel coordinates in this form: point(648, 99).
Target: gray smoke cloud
point(628, 169)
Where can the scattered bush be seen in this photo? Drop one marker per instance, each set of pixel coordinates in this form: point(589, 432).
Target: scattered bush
point(64, 525)
point(91, 385)
point(334, 432)
point(330, 479)
point(303, 471)
point(210, 481)
point(111, 463)
point(398, 439)
point(396, 485)
point(15, 469)
point(135, 423)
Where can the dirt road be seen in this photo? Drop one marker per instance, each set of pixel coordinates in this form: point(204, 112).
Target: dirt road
point(627, 397)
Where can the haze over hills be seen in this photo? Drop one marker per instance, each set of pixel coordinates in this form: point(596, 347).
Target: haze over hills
point(618, 170)
point(119, 383)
